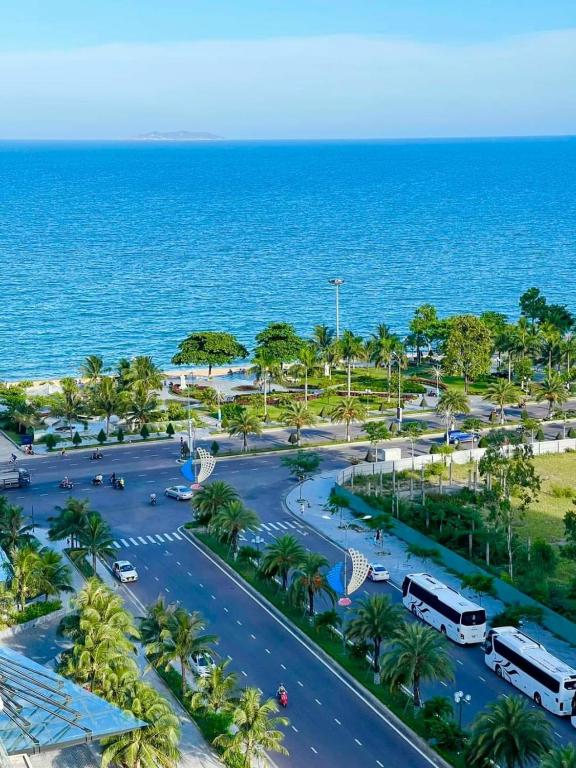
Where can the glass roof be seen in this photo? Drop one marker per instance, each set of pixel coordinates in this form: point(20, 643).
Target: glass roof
point(41, 710)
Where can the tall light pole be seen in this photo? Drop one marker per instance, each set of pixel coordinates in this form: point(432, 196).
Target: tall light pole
point(461, 698)
point(337, 282)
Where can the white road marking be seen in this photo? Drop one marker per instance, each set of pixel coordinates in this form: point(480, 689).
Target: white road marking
point(226, 610)
point(244, 673)
point(380, 764)
point(176, 536)
point(253, 637)
point(150, 481)
point(282, 665)
point(156, 577)
point(178, 562)
point(294, 729)
point(115, 544)
point(166, 588)
point(151, 539)
point(300, 684)
point(200, 584)
point(188, 572)
point(482, 678)
point(238, 622)
point(273, 526)
point(557, 734)
point(284, 528)
point(460, 662)
point(158, 537)
point(314, 750)
point(337, 721)
point(358, 742)
point(168, 536)
point(318, 702)
point(263, 525)
point(266, 649)
point(444, 684)
point(133, 541)
point(143, 540)
point(213, 597)
point(124, 542)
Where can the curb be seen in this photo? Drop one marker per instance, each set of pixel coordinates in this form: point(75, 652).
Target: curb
point(400, 726)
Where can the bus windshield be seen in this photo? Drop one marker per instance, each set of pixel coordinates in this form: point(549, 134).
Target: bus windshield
point(473, 618)
point(570, 685)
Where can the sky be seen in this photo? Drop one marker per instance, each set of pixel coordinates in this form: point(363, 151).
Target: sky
point(291, 69)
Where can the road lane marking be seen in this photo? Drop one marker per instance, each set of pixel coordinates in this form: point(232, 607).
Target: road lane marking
point(358, 742)
point(273, 526)
point(142, 539)
point(253, 637)
point(263, 525)
point(124, 542)
point(213, 597)
point(178, 562)
point(318, 702)
point(294, 728)
point(282, 665)
point(151, 539)
point(168, 536)
point(176, 536)
point(300, 684)
point(156, 577)
point(244, 673)
point(133, 541)
point(482, 678)
point(166, 588)
point(380, 764)
point(337, 721)
point(557, 734)
point(267, 650)
point(460, 662)
point(200, 584)
point(115, 544)
point(226, 610)
point(159, 538)
point(314, 750)
point(238, 622)
point(284, 528)
point(188, 572)
point(444, 684)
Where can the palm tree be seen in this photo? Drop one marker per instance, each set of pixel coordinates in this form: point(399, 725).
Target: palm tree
point(70, 520)
point(211, 498)
point(152, 625)
point(561, 757)
point(283, 554)
point(215, 691)
point(297, 414)
point(451, 402)
point(143, 371)
point(309, 580)
point(54, 576)
point(323, 340)
point(182, 637)
point(264, 365)
point(509, 732)
point(550, 344)
point(24, 574)
point(307, 363)
point(244, 423)
point(382, 348)
point(95, 539)
point(70, 403)
point(24, 416)
point(413, 430)
point(418, 653)
point(569, 351)
point(106, 400)
point(142, 405)
point(14, 530)
point(255, 730)
point(231, 520)
point(375, 619)
point(501, 393)
point(351, 348)
point(553, 389)
point(156, 745)
point(92, 368)
point(349, 409)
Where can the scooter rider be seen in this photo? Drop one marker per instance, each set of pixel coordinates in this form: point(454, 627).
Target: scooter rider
point(153, 499)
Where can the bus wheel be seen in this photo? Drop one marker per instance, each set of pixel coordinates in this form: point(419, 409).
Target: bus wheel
point(443, 629)
point(537, 699)
point(498, 670)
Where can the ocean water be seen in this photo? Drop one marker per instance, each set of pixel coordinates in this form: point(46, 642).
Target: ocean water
point(124, 248)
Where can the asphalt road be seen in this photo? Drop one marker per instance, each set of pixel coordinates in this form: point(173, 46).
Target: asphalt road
point(327, 720)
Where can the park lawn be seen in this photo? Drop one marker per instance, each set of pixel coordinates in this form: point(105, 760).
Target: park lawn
point(477, 387)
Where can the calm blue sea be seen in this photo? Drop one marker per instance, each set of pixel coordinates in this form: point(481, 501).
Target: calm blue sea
point(123, 248)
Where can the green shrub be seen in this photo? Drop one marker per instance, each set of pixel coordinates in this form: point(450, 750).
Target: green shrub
point(434, 448)
point(214, 447)
point(144, 432)
point(101, 437)
point(175, 411)
point(170, 429)
point(51, 441)
point(76, 439)
point(120, 435)
point(539, 436)
point(562, 491)
point(514, 614)
point(36, 610)
point(484, 442)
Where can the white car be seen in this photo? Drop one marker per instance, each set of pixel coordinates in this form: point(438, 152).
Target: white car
point(124, 571)
point(180, 492)
point(378, 573)
point(201, 663)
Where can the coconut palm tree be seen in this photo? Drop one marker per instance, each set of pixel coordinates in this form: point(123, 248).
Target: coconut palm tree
point(142, 404)
point(451, 402)
point(568, 351)
point(95, 539)
point(182, 636)
point(211, 498)
point(144, 371)
point(255, 730)
point(152, 625)
point(550, 344)
point(24, 416)
point(69, 403)
point(306, 364)
point(349, 409)
point(92, 368)
point(509, 732)
point(156, 745)
point(265, 366)
point(553, 389)
point(561, 757)
point(24, 574)
point(231, 520)
point(375, 619)
point(106, 400)
point(244, 423)
point(502, 393)
point(54, 576)
point(417, 653)
point(14, 529)
point(283, 554)
point(309, 581)
point(381, 350)
point(70, 519)
point(351, 348)
point(323, 340)
point(297, 414)
point(216, 691)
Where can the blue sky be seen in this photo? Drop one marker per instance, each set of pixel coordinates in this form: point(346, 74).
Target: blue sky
point(287, 68)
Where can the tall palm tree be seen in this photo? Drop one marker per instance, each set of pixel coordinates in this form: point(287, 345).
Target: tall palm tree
point(25, 572)
point(297, 414)
point(14, 529)
point(156, 745)
point(501, 393)
point(106, 400)
point(550, 344)
point(70, 519)
point(70, 403)
point(24, 416)
point(144, 371)
point(309, 581)
point(256, 730)
point(142, 404)
point(349, 409)
point(418, 653)
point(152, 625)
point(561, 757)
point(92, 368)
point(351, 348)
point(216, 691)
point(283, 554)
point(323, 340)
point(553, 389)
point(244, 423)
point(568, 351)
point(231, 520)
point(54, 575)
point(182, 636)
point(375, 619)
point(265, 366)
point(95, 539)
point(307, 363)
point(451, 402)
point(211, 498)
point(509, 732)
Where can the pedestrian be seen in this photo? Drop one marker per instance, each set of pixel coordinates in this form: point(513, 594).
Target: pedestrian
point(63, 452)
point(378, 535)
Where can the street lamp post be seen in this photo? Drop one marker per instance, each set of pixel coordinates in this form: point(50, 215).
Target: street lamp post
point(191, 436)
point(461, 698)
point(337, 282)
point(399, 407)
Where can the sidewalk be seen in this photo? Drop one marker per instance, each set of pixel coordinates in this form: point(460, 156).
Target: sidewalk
point(196, 753)
point(391, 552)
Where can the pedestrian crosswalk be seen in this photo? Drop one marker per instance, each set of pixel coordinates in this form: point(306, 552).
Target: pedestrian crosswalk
point(277, 528)
point(138, 541)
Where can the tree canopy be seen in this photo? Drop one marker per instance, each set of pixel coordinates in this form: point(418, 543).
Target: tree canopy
point(209, 348)
point(468, 348)
point(281, 341)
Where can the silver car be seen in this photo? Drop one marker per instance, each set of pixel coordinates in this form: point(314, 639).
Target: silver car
point(179, 492)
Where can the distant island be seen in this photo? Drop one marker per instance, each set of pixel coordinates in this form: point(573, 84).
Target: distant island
point(178, 136)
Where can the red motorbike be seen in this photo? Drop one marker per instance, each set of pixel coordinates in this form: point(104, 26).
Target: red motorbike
point(283, 698)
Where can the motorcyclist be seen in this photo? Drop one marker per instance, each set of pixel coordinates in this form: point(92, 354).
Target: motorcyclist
point(120, 483)
point(113, 478)
point(98, 479)
point(153, 499)
point(66, 483)
point(282, 695)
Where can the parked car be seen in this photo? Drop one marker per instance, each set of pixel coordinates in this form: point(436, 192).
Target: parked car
point(124, 571)
point(179, 492)
point(201, 664)
point(456, 436)
point(378, 573)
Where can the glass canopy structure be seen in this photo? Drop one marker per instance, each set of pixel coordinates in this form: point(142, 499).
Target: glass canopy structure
point(41, 711)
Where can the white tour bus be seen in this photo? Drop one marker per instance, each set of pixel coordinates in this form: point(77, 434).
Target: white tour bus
point(444, 608)
point(517, 658)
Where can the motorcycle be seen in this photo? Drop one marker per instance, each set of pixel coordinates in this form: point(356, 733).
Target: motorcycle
point(283, 698)
point(66, 484)
point(98, 480)
point(119, 485)
point(96, 455)
point(153, 500)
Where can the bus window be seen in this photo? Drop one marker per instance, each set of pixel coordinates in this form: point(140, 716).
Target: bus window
point(473, 618)
point(570, 685)
point(405, 586)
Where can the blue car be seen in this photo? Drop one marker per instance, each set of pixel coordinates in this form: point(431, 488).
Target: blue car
point(456, 436)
